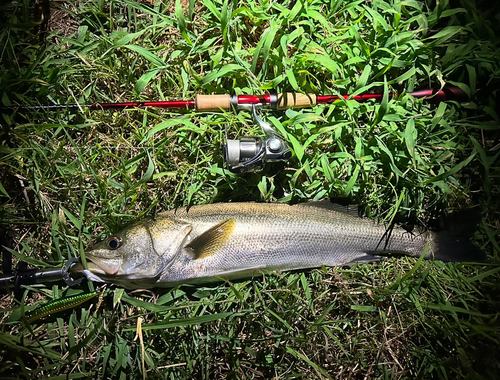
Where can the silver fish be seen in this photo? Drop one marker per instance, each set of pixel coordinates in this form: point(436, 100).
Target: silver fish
point(238, 240)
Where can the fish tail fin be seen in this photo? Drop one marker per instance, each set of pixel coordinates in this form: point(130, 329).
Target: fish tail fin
point(452, 242)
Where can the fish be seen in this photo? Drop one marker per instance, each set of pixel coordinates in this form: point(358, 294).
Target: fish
point(232, 241)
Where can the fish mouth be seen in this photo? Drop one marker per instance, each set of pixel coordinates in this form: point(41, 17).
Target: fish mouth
point(101, 267)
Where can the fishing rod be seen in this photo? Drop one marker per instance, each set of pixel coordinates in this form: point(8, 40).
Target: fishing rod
point(250, 154)
point(226, 102)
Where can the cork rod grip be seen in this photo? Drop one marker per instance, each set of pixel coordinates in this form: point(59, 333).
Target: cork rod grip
point(213, 102)
point(295, 100)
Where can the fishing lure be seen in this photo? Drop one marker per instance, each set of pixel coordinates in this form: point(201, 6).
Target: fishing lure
point(59, 305)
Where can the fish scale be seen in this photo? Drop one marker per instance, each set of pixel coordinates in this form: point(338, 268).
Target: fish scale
point(271, 237)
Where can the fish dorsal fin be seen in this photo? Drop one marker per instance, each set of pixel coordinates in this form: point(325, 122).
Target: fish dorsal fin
point(211, 241)
point(351, 209)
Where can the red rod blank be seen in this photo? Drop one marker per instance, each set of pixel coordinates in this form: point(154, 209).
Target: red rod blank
point(170, 104)
point(254, 99)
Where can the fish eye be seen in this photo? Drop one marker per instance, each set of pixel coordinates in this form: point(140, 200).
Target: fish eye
point(114, 242)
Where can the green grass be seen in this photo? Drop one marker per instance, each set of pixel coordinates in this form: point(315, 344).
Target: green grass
point(68, 178)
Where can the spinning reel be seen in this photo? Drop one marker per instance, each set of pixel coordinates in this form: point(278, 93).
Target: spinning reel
point(250, 154)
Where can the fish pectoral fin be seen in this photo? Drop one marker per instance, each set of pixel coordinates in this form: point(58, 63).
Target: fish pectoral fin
point(211, 241)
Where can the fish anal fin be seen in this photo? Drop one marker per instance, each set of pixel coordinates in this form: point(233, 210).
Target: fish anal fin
point(211, 241)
